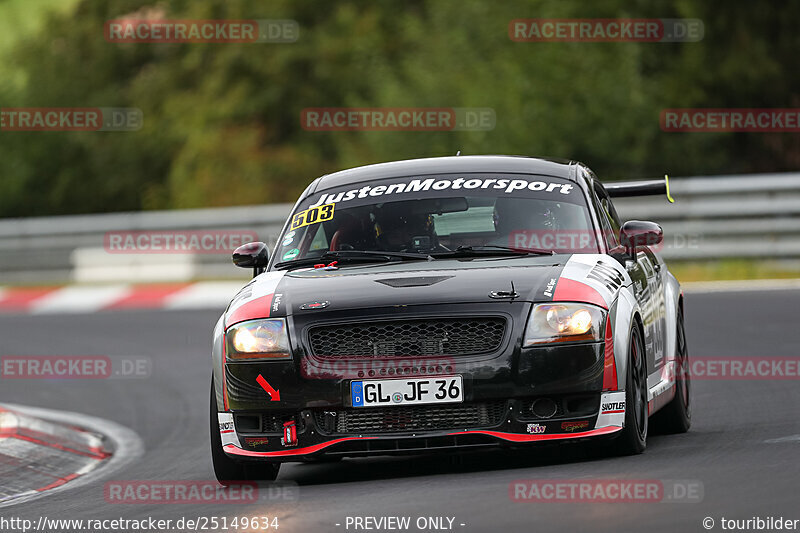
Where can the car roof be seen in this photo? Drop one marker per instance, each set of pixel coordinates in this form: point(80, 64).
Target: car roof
point(559, 168)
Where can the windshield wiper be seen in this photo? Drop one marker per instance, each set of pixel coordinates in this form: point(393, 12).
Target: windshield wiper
point(354, 256)
point(492, 249)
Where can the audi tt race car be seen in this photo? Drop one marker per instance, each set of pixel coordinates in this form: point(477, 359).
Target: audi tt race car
point(446, 304)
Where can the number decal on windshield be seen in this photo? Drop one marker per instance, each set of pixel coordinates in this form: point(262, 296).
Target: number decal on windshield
point(315, 215)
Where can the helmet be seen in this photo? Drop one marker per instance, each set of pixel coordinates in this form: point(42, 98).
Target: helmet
point(396, 226)
point(523, 214)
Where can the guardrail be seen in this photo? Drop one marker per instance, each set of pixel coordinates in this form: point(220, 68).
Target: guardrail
point(754, 215)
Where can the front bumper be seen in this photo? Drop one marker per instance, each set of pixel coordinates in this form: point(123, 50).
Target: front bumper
point(500, 390)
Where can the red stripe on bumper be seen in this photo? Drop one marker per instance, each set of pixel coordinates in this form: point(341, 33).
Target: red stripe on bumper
point(233, 450)
point(511, 437)
point(516, 437)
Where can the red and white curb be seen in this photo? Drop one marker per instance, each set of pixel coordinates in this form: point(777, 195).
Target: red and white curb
point(42, 451)
point(94, 298)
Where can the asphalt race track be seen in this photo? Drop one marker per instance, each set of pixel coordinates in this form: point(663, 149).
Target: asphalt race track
point(727, 450)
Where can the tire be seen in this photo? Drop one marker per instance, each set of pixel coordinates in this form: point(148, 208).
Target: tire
point(226, 469)
point(633, 438)
point(676, 416)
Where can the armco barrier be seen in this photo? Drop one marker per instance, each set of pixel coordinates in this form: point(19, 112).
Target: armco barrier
point(755, 215)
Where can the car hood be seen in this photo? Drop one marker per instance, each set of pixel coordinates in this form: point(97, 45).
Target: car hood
point(592, 278)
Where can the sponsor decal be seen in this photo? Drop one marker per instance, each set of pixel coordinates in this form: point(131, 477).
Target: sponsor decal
point(289, 434)
point(291, 254)
point(226, 427)
point(536, 429)
point(507, 186)
point(256, 441)
point(288, 238)
point(276, 300)
point(612, 407)
point(574, 426)
point(313, 215)
point(607, 275)
point(548, 290)
point(315, 305)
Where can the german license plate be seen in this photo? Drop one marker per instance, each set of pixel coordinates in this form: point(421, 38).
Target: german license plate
point(410, 391)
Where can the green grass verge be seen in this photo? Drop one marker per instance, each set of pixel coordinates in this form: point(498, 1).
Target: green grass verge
point(733, 269)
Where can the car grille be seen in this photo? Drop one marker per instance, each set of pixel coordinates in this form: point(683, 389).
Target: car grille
point(409, 338)
point(411, 418)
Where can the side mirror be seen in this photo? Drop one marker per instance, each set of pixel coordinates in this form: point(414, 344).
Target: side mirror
point(636, 233)
point(253, 255)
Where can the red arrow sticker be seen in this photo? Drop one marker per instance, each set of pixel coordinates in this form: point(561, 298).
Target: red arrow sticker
point(275, 396)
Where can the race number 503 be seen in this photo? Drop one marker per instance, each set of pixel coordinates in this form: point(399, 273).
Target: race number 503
point(312, 216)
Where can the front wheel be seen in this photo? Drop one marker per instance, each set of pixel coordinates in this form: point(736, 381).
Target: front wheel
point(633, 438)
point(226, 469)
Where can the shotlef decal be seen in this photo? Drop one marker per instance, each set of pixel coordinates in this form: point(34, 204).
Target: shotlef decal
point(227, 430)
point(612, 410)
point(612, 407)
point(507, 186)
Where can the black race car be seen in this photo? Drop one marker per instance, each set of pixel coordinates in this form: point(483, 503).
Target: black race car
point(445, 304)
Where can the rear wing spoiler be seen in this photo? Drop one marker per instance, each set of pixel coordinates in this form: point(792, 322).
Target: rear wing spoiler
point(627, 189)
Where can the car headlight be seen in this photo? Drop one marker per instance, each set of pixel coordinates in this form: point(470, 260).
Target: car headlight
point(258, 339)
point(564, 322)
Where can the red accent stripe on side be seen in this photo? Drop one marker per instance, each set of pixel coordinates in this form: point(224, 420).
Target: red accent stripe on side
point(569, 290)
point(612, 412)
point(21, 299)
point(256, 308)
point(147, 296)
point(609, 364)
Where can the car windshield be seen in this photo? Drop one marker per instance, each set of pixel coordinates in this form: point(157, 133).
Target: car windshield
point(440, 215)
